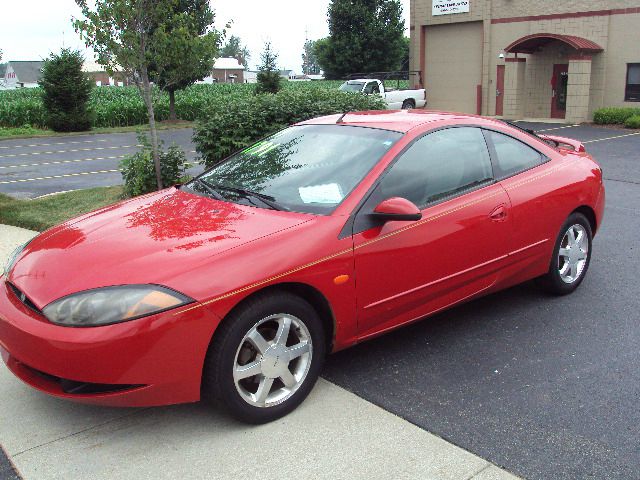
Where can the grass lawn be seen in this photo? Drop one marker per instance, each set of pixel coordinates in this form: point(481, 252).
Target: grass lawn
point(32, 132)
point(42, 213)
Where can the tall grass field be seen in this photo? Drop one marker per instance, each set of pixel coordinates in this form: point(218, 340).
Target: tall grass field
point(123, 106)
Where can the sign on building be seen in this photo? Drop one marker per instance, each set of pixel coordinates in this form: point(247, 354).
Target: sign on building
point(447, 7)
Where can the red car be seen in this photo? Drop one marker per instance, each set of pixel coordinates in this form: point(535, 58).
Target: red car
point(234, 286)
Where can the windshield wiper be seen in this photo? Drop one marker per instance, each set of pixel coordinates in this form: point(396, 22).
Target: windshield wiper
point(210, 189)
point(266, 199)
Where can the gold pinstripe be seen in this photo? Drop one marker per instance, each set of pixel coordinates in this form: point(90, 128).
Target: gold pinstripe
point(374, 240)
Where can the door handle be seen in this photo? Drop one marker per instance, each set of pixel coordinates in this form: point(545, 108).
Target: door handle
point(498, 214)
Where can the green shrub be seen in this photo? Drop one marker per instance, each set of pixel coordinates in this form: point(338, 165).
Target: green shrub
point(66, 89)
point(632, 122)
point(614, 115)
point(139, 174)
point(239, 124)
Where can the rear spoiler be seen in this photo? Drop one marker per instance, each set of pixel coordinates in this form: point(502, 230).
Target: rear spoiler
point(564, 142)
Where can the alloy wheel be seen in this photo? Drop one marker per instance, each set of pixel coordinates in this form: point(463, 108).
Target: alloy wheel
point(272, 360)
point(573, 253)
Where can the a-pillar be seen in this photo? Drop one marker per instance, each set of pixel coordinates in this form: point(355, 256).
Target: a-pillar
point(578, 87)
point(514, 79)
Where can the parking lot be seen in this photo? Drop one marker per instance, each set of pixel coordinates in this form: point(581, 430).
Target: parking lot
point(38, 166)
point(542, 386)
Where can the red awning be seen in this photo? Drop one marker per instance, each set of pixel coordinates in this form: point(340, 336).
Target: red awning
point(532, 43)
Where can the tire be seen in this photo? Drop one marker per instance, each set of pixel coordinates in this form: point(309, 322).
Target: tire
point(244, 371)
point(408, 105)
point(568, 267)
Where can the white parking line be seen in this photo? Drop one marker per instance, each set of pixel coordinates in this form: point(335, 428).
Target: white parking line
point(11, 155)
point(50, 144)
point(23, 180)
point(557, 128)
point(60, 162)
point(611, 138)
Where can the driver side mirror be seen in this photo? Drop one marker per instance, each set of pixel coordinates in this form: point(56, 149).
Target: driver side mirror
point(396, 209)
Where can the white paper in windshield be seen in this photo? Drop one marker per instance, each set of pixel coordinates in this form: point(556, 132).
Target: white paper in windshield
point(327, 193)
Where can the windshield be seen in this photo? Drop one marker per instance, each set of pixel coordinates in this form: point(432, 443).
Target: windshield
point(352, 86)
point(307, 168)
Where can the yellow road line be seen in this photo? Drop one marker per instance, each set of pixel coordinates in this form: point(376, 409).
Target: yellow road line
point(67, 151)
point(50, 144)
point(60, 162)
point(23, 180)
point(611, 138)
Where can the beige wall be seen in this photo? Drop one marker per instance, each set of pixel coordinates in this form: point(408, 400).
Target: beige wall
point(454, 66)
point(617, 34)
point(623, 47)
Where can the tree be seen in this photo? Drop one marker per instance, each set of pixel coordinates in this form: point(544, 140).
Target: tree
point(189, 46)
point(137, 37)
point(310, 64)
point(406, 46)
point(364, 36)
point(234, 49)
point(66, 92)
point(269, 75)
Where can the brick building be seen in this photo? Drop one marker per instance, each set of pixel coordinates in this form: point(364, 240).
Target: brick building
point(524, 59)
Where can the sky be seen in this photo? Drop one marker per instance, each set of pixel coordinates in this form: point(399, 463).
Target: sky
point(32, 29)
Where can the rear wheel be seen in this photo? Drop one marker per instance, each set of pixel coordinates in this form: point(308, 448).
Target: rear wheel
point(571, 256)
point(265, 358)
point(408, 105)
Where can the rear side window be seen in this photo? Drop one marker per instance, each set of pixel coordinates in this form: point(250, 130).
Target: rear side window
point(439, 166)
point(512, 156)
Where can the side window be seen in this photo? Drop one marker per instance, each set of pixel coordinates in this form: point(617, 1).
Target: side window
point(440, 165)
point(513, 156)
point(372, 87)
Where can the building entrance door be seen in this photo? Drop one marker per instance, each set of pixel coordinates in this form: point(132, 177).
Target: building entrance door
point(559, 90)
point(499, 90)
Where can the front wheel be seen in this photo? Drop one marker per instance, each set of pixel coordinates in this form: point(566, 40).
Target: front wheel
point(265, 358)
point(571, 256)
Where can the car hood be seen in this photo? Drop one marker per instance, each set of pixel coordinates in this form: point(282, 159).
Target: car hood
point(146, 240)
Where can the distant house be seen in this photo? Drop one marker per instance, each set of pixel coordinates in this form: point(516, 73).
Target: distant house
point(250, 76)
point(22, 74)
point(99, 75)
point(227, 70)
point(288, 74)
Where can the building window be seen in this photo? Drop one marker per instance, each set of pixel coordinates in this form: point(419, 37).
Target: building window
point(632, 91)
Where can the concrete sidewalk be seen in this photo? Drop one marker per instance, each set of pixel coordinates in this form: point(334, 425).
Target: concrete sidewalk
point(333, 435)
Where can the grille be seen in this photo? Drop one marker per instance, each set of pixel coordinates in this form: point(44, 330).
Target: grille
point(23, 298)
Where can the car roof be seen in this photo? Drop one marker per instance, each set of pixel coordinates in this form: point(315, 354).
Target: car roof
point(397, 120)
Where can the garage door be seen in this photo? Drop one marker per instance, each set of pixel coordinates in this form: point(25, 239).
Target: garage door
point(453, 66)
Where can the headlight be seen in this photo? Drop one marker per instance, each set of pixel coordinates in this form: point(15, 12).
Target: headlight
point(12, 259)
point(104, 306)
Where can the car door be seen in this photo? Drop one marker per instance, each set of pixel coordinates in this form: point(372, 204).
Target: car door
point(521, 169)
point(405, 270)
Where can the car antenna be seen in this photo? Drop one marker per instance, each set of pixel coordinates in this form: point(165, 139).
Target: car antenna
point(341, 117)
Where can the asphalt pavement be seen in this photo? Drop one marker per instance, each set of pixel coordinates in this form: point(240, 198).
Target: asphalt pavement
point(38, 166)
point(546, 387)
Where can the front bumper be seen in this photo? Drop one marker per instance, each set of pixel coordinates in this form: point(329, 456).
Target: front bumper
point(155, 360)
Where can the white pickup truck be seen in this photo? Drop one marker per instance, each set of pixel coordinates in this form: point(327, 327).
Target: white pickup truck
point(395, 98)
